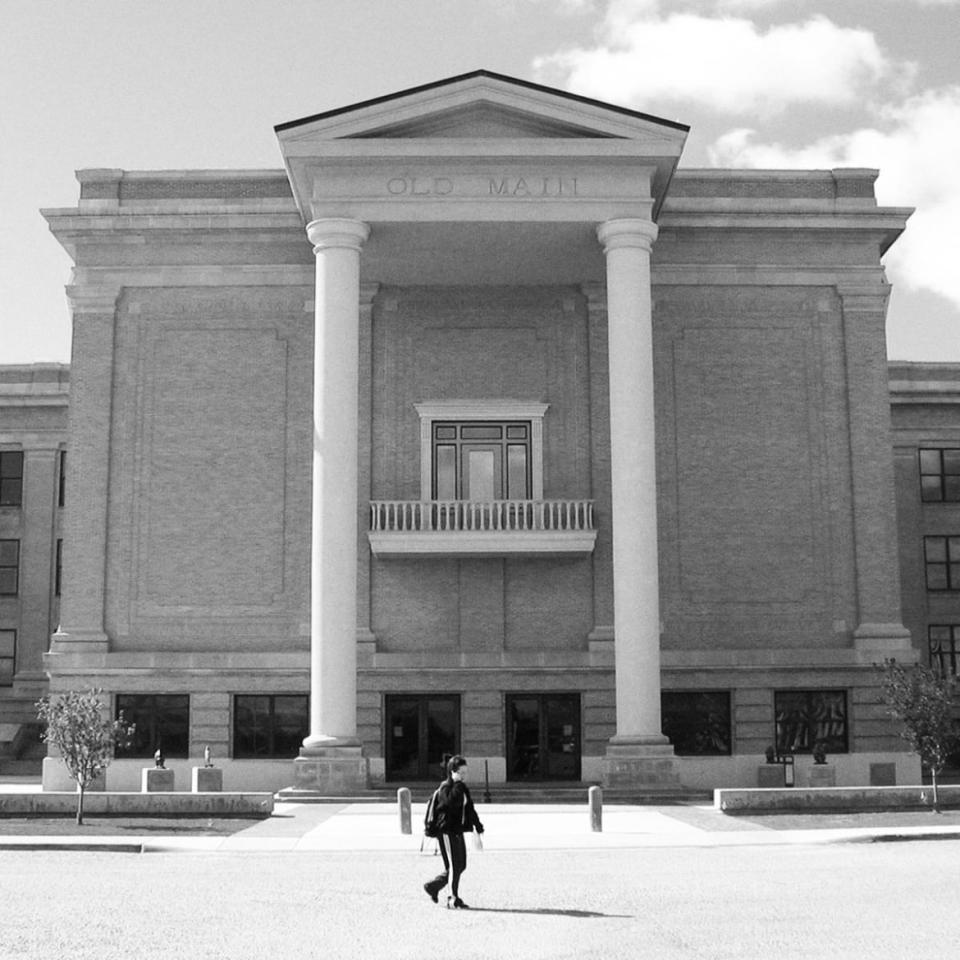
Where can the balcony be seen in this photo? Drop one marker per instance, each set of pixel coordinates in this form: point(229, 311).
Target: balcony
point(489, 528)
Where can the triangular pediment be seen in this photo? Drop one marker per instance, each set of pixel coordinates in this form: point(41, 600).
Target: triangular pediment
point(481, 105)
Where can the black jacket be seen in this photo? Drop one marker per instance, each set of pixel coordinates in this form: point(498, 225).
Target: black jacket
point(453, 809)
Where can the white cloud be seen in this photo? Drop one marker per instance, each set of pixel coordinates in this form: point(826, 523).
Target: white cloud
point(915, 147)
point(725, 63)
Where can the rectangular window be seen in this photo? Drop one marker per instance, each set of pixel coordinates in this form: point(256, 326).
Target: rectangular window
point(939, 476)
point(697, 723)
point(481, 461)
point(62, 482)
point(9, 568)
point(8, 656)
point(269, 725)
point(162, 722)
point(807, 717)
point(11, 478)
point(941, 557)
point(58, 570)
point(943, 645)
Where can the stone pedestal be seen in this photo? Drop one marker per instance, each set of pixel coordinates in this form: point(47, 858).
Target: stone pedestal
point(771, 775)
point(206, 780)
point(337, 772)
point(823, 775)
point(156, 780)
point(641, 766)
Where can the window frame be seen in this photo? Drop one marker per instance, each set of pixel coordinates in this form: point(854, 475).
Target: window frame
point(680, 746)
point(810, 693)
point(272, 751)
point(135, 751)
point(12, 658)
point(11, 566)
point(938, 655)
point(941, 473)
point(11, 456)
point(460, 411)
point(950, 565)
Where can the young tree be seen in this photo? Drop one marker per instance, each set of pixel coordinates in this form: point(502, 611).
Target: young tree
point(922, 699)
point(85, 737)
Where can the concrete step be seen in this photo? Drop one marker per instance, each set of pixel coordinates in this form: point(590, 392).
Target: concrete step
point(530, 793)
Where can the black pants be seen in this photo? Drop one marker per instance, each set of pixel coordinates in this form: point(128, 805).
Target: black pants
point(454, 853)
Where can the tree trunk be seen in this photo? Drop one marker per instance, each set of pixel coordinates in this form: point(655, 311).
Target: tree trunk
point(936, 793)
point(79, 804)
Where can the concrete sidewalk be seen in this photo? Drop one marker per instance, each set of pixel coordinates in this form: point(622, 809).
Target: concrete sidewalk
point(319, 827)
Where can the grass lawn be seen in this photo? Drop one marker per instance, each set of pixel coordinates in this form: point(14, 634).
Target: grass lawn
point(101, 826)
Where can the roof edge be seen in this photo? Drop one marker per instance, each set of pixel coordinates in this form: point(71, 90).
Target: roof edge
point(489, 74)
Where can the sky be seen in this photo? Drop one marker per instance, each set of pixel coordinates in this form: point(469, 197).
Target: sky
point(179, 84)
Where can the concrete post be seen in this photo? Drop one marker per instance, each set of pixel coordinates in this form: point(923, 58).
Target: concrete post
point(403, 810)
point(595, 801)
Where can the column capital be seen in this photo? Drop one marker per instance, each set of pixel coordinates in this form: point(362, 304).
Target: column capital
point(864, 299)
point(92, 300)
point(337, 232)
point(629, 232)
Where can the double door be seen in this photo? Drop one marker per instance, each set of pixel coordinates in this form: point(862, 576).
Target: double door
point(421, 730)
point(543, 736)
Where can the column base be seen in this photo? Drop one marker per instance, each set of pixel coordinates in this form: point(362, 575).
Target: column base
point(332, 771)
point(876, 641)
point(77, 641)
point(641, 763)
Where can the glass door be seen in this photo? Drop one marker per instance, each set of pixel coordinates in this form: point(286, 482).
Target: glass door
point(543, 736)
point(420, 730)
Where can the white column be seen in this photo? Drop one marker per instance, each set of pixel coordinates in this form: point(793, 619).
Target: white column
point(333, 579)
point(636, 588)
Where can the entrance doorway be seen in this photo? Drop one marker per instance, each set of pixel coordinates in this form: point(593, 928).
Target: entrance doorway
point(420, 730)
point(543, 736)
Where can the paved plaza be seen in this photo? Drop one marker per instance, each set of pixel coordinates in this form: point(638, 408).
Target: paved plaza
point(810, 901)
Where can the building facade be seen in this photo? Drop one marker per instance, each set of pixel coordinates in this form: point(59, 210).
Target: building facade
point(482, 427)
point(33, 436)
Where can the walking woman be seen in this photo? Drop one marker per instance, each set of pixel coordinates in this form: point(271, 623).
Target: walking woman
point(451, 814)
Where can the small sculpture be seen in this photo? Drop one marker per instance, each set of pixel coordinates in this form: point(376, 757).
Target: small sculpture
point(771, 755)
point(158, 760)
point(207, 762)
point(820, 752)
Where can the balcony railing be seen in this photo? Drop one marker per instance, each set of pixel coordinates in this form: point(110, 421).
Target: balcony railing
point(481, 528)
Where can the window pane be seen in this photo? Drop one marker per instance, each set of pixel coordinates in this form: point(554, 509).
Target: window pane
point(697, 723)
point(953, 548)
point(162, 720)
point(955, 576)
point(930, 461)
point(480, 464)
point(481, 432)
point(6, 671)
point(951, 462)
point(936, 576)
point(951, 488)
point(8, 642)
point(517, 472)
point(517, 432)
point(9, 553)
point(446, 473)
point(935, 549)
point(445, 433)
point(807, 717)
point(8, 582)
point(930, 489)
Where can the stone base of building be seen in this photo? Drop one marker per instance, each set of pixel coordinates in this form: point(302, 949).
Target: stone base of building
point(332, 772)
point(641, 765)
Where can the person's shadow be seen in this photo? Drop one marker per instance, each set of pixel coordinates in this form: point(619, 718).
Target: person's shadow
point(546, 911)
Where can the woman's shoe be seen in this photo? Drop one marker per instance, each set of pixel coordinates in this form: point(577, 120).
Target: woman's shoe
point(455, 903)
